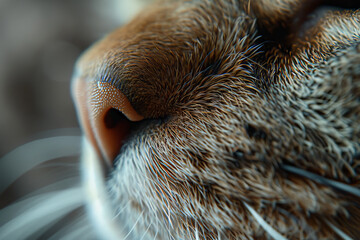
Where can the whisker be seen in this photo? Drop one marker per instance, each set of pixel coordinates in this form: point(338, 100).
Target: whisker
point(196, 232)
point(270, 230)
point(157, 229)
point(43, 213)
point(36, 197)
point(80, 229)
point(22, 159)
point(74, 165)
point(132, 229)
point(338, 231)
point(322, 180)
point(66, 183)
point(28, 201)
point(96, 200)
point(147, 229)
point(121, 210)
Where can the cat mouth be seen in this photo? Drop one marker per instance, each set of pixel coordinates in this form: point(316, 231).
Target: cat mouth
point(106, 116)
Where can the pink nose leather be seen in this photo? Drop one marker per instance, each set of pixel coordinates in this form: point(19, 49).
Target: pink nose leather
point(105, 114)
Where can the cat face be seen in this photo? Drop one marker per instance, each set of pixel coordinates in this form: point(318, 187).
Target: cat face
point(213, 117)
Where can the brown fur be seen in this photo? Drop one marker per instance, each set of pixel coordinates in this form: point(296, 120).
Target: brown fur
point(228, 101)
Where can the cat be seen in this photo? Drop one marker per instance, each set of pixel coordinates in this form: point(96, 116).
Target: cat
point(218, 119)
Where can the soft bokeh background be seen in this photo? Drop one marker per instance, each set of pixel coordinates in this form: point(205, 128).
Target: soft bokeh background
point(40, 41)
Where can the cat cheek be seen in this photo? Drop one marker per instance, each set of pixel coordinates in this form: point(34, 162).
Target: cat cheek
point(105, 115)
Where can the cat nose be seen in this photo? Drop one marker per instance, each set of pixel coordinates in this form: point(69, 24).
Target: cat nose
point(105, 115)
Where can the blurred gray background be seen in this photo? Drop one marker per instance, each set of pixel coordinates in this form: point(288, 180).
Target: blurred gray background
point(39, 42)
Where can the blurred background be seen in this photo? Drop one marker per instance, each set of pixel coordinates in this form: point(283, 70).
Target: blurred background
point(39, 42)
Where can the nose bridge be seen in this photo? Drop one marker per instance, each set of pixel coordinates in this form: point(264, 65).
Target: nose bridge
point(95, 103)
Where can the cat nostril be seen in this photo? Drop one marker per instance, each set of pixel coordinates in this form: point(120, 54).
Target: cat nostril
point(113, 118)
point(105, 114)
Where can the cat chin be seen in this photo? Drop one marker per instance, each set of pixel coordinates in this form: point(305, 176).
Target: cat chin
point(112, 206)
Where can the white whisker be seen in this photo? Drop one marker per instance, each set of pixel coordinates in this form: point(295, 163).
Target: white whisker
point(338, 185)
point(52, 207)
point(157, 229)
point(133, 227)
point(80, 229)
point(270, 230)
point(196, 232)
point(147, 229)
point(338, 231)
point(36, 196)
point(59, 185)
point(121, 210)
point(27, 156)
point(98, 204)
